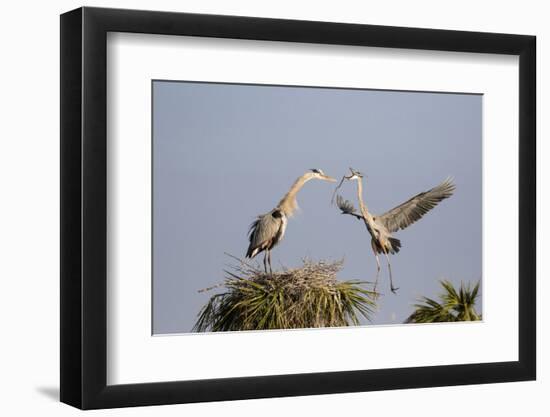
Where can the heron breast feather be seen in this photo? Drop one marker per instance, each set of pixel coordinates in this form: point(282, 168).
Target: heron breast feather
point(282, 229)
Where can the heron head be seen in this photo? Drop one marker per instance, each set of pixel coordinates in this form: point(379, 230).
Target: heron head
point(355, 175)
point(320, 175)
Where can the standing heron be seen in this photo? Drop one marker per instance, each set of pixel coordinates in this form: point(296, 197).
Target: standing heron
point(381, 227)
point(269, 228)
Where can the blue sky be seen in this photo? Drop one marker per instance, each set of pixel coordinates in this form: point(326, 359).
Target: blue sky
point(224, 153)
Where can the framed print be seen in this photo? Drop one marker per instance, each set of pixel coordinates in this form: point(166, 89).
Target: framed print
point(257, 207)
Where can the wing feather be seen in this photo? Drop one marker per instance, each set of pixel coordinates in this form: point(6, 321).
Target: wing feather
point(346, 206)
point(413, 209)
point(262, 231)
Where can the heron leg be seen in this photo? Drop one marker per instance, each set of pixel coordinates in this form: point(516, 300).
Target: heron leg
point(393, 289)
point(265, 260)
point(377, 265)
point(269, 261)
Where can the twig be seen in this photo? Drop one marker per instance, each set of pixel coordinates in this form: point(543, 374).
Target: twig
point(336, 189)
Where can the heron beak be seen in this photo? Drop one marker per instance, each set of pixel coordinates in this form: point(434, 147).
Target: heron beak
point(327, 178)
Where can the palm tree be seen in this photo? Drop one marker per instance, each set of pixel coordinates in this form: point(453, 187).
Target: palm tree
point(304, 297)
point(453, 305)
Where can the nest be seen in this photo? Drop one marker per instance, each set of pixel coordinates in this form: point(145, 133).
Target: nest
point(306, 297)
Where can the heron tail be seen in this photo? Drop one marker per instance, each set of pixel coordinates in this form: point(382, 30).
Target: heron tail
point(251, 252)
point(395, 245)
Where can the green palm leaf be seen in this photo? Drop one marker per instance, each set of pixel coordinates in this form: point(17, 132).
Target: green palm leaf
point(452, 306)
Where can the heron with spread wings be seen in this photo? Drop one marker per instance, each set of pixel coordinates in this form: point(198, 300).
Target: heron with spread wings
point(269, 228)
point(381, 227)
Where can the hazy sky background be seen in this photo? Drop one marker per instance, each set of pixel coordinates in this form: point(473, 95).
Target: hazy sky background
point(224, 153)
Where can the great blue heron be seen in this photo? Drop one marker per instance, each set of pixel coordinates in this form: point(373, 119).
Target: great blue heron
point(381, 227)
point(269, 228)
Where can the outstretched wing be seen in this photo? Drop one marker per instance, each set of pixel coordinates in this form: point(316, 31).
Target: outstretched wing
point(346, 206)
point(412, 210)
point(263, 231)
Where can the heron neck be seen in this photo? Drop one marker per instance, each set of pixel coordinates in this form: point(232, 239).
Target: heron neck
point(362, 205)
point(288, 203)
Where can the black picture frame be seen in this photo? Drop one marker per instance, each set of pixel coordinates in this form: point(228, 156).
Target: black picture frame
point(84, 207)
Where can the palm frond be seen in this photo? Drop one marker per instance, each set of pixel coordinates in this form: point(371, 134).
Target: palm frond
point(453, 305)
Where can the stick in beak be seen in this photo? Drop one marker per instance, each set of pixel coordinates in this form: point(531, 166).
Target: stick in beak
point(336, 189)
